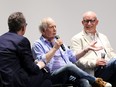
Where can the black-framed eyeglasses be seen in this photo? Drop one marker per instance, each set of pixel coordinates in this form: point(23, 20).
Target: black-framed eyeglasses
point(25, 24)
point(91, 21)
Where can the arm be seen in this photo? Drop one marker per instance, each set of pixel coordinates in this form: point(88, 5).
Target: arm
point(87, 58)
point(42, 52)
point(25, 56)
point(51, 53)
point(91, 46)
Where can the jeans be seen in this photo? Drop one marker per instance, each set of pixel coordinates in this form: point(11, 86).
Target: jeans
point(84, 83)
point(62, 75)
point(108, 73)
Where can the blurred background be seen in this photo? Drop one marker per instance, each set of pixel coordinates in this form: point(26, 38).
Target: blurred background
point(66, 13)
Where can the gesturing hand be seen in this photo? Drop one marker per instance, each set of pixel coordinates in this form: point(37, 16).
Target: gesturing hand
point(92, 46)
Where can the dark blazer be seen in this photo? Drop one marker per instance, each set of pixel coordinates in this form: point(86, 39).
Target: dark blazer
point(16, 61)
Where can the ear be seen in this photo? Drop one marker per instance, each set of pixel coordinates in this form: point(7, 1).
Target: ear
point(97, 21)
point(22, 29)
point(43, 31)
point(82, 22)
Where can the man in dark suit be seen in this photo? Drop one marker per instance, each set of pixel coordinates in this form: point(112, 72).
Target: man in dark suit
point(17, 67)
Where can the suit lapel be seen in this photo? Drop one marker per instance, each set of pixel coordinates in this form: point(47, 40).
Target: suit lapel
point(102, 41)
point(86, 38)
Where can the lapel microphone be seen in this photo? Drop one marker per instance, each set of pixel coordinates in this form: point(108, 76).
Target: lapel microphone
point(62, 46)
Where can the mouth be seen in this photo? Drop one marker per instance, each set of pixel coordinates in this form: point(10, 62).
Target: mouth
point(88, 26)
point(54, 33)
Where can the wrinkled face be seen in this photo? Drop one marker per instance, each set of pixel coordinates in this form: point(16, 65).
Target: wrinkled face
point(50, 32)
point(90, 22)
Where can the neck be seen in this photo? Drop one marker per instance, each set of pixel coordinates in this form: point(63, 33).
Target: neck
point(91, 32)
point(51, 40)
point(20, 32)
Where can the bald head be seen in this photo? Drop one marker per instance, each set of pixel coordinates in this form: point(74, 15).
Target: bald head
point(90, 22)
point(89, 14)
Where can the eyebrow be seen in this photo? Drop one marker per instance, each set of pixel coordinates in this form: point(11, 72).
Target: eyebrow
point(90, 19)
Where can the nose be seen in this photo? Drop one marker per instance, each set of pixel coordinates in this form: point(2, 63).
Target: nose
point(89, 23)
point(54, 27)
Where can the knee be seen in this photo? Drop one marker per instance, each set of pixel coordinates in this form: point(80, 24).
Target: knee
point(70, 66)
point(84, 80)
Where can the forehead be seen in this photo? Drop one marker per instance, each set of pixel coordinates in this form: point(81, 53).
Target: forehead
point(51, 22)
point(89, 15)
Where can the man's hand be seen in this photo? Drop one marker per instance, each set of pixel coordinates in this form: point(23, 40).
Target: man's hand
point(41, 64)
point(101, 62)
point(93, 47)
point(58, 43)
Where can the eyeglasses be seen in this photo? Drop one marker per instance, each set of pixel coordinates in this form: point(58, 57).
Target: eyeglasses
point(87, 21)
point(25, 24)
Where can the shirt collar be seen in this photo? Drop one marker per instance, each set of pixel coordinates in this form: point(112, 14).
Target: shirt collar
point(89, 34)
point(44, 39)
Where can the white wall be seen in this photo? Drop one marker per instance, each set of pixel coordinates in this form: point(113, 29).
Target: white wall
point(66, 13)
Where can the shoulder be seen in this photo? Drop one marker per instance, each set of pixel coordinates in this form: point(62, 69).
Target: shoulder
point(102, 35)
point(77, 36)
point(12, 37)
point(40, 40)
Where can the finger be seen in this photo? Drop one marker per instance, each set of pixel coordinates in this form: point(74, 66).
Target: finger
point(98, 48)
point(93, 43)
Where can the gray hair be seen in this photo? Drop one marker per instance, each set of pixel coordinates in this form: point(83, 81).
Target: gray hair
point(44, 23)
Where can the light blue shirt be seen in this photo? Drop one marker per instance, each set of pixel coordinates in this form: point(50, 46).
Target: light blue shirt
point(61, 58)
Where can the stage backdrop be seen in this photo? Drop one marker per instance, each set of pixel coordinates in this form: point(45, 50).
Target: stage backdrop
point(66, 13)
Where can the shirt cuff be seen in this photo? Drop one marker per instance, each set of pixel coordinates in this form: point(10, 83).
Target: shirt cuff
point(44, 59)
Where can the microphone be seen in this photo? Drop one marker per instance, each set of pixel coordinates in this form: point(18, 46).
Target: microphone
point(62, 46)
point(103, 57)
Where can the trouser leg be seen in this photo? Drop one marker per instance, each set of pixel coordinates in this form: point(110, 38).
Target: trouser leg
point(40, 80)
point(81, 83)
point(1, 84)
point(84, 83)
point(73, 70)
point(46, 83)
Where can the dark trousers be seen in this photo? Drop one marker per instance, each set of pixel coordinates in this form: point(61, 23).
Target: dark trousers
point(1, 85)
point(108, 72)
point(40, 80)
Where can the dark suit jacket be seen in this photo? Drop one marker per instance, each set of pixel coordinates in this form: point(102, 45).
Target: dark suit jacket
point(16, 61)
